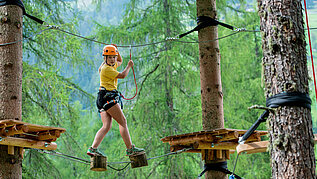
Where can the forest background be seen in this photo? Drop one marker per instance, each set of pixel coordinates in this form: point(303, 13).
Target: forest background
point(60, 82)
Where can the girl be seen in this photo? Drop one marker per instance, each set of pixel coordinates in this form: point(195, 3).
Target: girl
point(108, 98)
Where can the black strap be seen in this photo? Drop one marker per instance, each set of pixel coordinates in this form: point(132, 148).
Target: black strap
point(203, 22)
point(289, 99)
point(220, 166)
point(20, 4)
point(13, 2)
point(282, 99)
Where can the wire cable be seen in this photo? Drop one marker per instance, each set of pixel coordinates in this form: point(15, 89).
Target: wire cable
point(171, 153)
point(237, 30)
point(65, 156)
point(27, 38)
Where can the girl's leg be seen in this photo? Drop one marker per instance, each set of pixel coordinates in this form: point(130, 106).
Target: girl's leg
point(118, 115)
point(107, 123)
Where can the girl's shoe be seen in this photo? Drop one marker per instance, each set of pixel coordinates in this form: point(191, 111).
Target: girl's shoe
point(134, 150)
point(93, 152)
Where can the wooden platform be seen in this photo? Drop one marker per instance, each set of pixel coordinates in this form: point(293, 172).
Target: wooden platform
point(256, 147)
point(215, 144)
point(22, 134)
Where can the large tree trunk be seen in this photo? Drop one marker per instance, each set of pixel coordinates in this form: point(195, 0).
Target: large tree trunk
point(210, 77)
point(285, 65)
point(10, 83)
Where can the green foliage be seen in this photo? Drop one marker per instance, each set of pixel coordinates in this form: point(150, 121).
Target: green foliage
point(50, 97)
point(60, 80)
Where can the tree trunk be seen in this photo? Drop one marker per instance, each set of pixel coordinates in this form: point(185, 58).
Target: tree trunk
point(10, 83)
point(168, 70)
point(210, 77)
point(285, 69)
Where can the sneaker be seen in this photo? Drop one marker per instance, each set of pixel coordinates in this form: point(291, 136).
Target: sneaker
point(134, 150)
point(93, 152)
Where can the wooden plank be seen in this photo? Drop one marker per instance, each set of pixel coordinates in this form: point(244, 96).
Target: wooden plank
point(49, 135)
point(193, 151)
point(21, 152)
point(16, 129)
point(190, 140)
point(213, 133)
point(230, 136)
point(254, 147)
point(29, 143)
point(257, 147)
point(32, 127)
point(219, 154)
point(215, 146)
point(10, 150)
point(227, 153)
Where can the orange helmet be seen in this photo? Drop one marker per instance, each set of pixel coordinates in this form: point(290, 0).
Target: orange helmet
point(110, 50)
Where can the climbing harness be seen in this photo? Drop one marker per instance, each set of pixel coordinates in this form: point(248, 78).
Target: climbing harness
point(112, 97)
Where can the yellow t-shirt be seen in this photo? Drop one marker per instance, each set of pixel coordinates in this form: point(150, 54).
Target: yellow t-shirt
point(108, 76)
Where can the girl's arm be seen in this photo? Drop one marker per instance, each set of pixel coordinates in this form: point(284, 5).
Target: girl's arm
point(119, 59)
point(125, 72)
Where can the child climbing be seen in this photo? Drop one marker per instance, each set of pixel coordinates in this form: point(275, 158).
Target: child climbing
point(108, 101)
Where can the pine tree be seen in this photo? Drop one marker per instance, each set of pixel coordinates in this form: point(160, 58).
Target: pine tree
point(10, 83)
point(285, 65)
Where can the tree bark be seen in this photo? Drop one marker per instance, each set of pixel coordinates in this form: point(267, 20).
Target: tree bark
point(210, 77)
point(168, 70)
point(10, 83)
point(285, 69)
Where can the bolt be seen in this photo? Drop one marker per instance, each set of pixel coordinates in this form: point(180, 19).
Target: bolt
point(46, 144)
point(18, 24)
point(0, 138)
point(4, 19)
point(212, 145)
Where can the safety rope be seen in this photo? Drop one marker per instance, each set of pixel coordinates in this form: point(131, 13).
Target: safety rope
point(310, 47)
point(136, 86)
point(27, 38)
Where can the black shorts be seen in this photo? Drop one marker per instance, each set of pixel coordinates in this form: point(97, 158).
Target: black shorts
point(107, 99)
